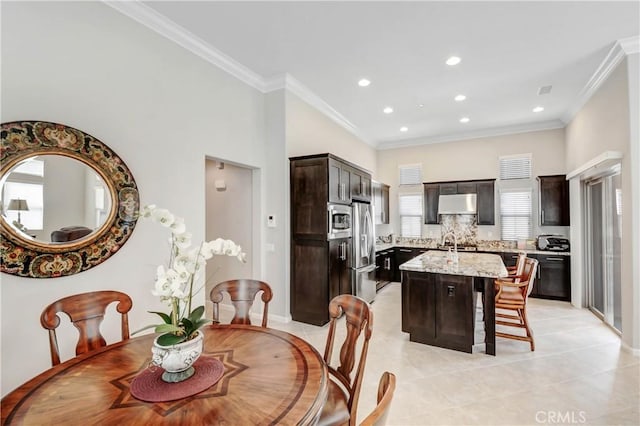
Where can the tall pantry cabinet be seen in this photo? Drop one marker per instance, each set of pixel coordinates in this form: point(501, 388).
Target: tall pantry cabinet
point(320, 268)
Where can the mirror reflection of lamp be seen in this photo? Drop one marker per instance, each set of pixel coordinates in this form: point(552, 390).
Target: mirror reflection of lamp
point(19, 205)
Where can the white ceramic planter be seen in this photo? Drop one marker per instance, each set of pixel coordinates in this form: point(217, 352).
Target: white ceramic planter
point(177, 360)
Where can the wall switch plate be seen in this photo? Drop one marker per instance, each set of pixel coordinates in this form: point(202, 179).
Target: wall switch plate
point(271, 247)
point(271, 221)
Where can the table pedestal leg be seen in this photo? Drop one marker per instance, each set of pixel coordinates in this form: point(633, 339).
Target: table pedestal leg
point(489, 314)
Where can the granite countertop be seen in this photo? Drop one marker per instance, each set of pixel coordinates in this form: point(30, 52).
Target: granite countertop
point(481, 248)
point(469, 264)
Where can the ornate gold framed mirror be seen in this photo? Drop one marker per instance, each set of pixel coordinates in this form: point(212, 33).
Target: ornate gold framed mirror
point(67, 201)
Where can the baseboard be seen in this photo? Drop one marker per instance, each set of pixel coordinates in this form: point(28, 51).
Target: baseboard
point(629, 349)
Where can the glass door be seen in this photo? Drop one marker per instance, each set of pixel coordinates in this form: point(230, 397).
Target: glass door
point(604, 234)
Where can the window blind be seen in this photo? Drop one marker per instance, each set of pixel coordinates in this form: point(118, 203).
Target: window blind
point(410, 209)
point(515, 167)
point(516, 214)
point(411, 174)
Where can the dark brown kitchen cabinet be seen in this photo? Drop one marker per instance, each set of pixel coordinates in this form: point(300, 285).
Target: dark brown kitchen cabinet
point(360, 185)
point(339, 267)
point(467, 188)
point(448, 188)
point(438, 309)
point(339, 182)
point(553, 279)
point(385, 261)
point(485, 190)
point(319, 267)
point(380, 200)
point(431, 196)
point(486, 202)
point(554, 200)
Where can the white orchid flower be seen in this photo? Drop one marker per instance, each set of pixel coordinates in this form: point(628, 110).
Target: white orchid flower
point(163, 216)
point(178, 226)
point(182, 240)
point(146, 211)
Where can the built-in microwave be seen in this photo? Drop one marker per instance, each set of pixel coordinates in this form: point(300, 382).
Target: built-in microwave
point(339, 219)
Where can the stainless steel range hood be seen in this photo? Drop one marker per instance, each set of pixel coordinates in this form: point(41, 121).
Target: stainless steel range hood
point(457, 204)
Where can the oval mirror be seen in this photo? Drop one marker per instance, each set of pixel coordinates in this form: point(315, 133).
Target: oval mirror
point(68, 202)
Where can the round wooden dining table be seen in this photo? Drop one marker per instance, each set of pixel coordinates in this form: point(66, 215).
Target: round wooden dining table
point(270, 377)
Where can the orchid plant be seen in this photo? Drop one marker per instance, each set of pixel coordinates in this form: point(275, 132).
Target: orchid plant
point(174, 284)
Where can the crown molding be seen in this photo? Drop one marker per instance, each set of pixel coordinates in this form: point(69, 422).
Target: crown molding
point(289, 83)
point(162, 25)
point(475, 134)
point(618, 52)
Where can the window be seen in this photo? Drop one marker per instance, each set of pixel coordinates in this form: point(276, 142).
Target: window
point(515, 167)
point(410, 200)
point(515, 214)
point(26, 181)
point(410, 206)
point(411, 174)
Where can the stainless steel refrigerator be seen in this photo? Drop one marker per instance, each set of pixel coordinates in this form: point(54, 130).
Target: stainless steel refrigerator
point(363, 259)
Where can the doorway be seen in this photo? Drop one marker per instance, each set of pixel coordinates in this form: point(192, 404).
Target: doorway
point(604, 237)
point(229, 214)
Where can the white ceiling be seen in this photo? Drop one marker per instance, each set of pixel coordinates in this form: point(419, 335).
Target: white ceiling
point(508, 50)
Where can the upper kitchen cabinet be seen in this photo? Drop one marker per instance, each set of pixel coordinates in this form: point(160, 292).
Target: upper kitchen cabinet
point(431, 195)
point(380, 202)
point(360, 185)
point(486, 202)
point(485, 189)
point(339, 182)
point(554, 200)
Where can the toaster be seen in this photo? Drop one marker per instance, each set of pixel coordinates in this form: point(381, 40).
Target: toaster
point(552, 243)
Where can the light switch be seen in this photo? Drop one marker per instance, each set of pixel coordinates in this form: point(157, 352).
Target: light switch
point(271, 221)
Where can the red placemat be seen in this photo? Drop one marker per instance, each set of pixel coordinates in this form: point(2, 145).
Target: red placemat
point(148, 385)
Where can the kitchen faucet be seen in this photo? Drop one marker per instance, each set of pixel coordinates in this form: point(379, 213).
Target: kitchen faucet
point(453, 257)
point(455, 240)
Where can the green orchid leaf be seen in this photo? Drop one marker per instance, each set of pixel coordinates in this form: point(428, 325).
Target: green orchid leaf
point(196, 314)
point(188, 325)
point(170, 339)
point(167, 328)
point(166, 318)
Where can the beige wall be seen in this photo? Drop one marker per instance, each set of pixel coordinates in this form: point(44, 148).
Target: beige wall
point(229, 215)
point(311, 132)
point(469, 159)
point(603, 124)
point(162, 109)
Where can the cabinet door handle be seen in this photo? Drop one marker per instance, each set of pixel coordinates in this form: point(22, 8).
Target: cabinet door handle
point(555, 259)
point(406, 251)
point(382, 216)
point(542, 217)
point(538, 271)
point(387, 263)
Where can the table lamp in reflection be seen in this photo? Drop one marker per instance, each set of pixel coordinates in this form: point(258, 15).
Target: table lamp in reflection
point(19, 205)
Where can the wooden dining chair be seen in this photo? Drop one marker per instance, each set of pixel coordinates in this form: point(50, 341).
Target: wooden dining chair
point(86, 312)
point(518, 268)
point(512, 294)
point(242, 293)
point(344, 389)
point(386, 388)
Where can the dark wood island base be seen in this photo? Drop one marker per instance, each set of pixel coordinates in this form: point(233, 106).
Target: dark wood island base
point(439, 308)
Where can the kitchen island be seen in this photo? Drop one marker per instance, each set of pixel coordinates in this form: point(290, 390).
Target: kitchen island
point(439, 296)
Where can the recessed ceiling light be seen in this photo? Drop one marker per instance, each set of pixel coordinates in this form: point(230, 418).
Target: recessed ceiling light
point(464, 120)
point(420, 105)
point(454, 60)
point(404, 129)
point(538, 109)
point(387, 110)
point(364, 82)
point(460, 98)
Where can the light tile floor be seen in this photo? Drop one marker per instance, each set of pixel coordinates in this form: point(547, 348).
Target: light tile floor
point(578, 373)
